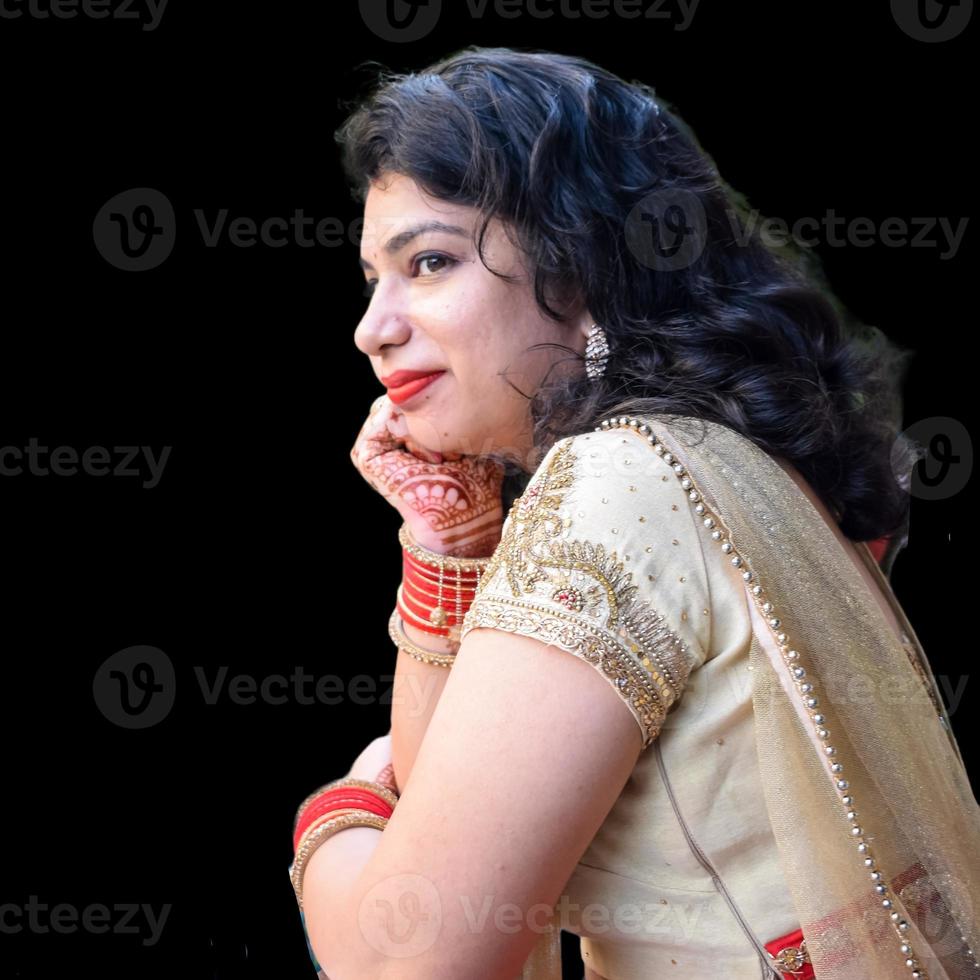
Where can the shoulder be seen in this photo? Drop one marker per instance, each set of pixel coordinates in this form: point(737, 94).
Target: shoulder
point(601, 555)
point(626, 493)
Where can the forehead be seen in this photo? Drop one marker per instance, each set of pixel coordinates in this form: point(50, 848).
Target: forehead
point(391, 188)
point(397, 210)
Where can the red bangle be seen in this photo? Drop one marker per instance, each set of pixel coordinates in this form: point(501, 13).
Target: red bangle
point(420, 595)
point(342, 794)
point(433, 570)
point(314, 818)
point(790, 957)
point(335, 805)
point(429, 602)
point(346, 791)
point(432, 588)
point(422, 612)
point(447, 585)
point(339, 799)
point(413, 619)
point(410, 575)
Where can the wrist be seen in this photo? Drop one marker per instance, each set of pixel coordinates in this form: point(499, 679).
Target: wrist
point(477, 538)
point(429, 641)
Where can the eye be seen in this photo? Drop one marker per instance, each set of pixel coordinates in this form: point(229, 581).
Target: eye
point(434, 256)
point(370, 285)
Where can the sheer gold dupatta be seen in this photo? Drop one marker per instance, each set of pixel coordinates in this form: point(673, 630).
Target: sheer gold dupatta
point(897, 822)
point(879, 838)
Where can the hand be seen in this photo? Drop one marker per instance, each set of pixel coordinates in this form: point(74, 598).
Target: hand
point(374, 763)
point(452, 504)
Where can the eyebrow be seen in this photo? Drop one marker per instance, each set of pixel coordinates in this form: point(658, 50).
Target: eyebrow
point(397, 242)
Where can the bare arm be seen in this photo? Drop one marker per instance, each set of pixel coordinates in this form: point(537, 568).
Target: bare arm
point(418, 687)
point(556, 766)
point(464, 519)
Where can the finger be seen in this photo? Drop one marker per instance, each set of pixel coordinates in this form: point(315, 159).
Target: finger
point(375, 437)
point(387, 778)
point(381, 411)
point(427, 454)
point(397, 425)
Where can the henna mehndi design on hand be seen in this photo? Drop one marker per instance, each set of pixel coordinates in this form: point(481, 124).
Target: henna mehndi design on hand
point(454, 506)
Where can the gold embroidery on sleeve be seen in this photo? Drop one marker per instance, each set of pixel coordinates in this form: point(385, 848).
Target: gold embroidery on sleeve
point(578, 596)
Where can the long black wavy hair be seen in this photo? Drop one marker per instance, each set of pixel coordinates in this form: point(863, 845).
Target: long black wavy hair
point(745, 334)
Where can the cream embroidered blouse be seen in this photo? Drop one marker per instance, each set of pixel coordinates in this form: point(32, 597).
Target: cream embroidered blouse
point(603, 557)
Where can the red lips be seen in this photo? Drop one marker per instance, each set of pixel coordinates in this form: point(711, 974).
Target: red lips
point(407, 390)
point(403, 377)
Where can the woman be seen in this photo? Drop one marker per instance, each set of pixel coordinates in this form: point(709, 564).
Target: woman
point(685, 717)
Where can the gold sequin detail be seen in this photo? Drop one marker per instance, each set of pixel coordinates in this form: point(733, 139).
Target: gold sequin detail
point(595, 611)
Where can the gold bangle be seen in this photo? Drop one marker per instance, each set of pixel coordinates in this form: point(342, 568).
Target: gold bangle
point(402, 641)
point(312, 840)
point(380, 789)
point(396, 630)
point(434, 559)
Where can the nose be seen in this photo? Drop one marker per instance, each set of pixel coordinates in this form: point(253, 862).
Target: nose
point(382, 324)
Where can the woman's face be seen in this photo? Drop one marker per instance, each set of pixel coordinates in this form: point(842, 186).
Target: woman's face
point(435, 307)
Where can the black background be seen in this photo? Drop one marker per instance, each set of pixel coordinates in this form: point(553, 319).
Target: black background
point(261, 548)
